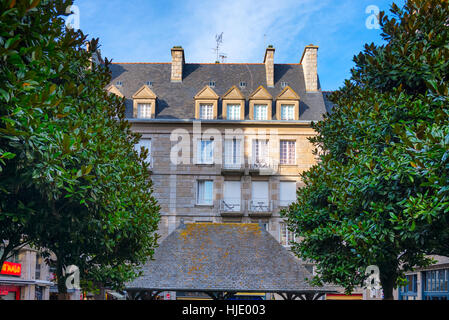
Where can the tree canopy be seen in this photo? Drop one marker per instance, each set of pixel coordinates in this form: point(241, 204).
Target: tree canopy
point(71, 181)
point(379, 194)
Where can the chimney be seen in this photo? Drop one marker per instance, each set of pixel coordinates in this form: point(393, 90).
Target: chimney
point(177, 64)
point(310, 67)
point(269, 65)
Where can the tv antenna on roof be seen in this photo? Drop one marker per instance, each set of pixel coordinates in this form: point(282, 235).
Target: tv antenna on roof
point(219, 40)
point(223, 57)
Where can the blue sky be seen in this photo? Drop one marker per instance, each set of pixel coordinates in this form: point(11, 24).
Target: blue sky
point(146, 30)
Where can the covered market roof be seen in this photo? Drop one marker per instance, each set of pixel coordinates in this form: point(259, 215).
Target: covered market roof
point(223, 257)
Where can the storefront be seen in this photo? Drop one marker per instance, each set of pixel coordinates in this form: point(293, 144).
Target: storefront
point(9, 274)
point(9, 292)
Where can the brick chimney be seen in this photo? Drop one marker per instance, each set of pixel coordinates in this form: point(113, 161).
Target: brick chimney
point(177, 64)
point(310, 67)
point(269, 65)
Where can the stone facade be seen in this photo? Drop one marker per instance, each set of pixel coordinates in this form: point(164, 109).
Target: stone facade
point(175, 184)
point(261, 89)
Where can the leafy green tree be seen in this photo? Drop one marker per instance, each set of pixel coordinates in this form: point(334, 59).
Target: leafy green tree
point(79, 188)
point(379, 194)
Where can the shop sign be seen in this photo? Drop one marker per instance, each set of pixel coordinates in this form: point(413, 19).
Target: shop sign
point(11, 269)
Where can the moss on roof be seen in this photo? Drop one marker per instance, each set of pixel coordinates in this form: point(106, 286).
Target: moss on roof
point(222, 256)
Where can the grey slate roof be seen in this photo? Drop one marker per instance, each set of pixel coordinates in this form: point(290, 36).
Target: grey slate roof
point(176, 100)
point(223, 257)
point(329, 105)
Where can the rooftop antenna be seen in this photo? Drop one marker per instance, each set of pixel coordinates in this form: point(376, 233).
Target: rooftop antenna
point(219, 40)
point(223, 57)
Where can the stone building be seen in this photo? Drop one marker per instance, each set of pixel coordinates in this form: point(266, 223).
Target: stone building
point(227, 141)
point(25, 276)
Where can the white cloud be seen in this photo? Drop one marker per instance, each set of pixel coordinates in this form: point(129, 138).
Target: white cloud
point(248, 27)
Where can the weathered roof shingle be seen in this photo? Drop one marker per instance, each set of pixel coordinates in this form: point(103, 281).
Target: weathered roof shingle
point(175, 100)
point(223, 257)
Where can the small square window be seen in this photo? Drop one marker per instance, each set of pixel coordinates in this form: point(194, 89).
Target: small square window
point(260, 112)
point(284, 84)
point(119, 83)
point(206, 111)
point(233, 112)
point(287, 112)
point(143, 110)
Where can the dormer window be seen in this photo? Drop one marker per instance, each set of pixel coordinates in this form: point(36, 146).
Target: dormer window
point(144, 103)
point(119, 83)
point(260, 104)
point(149, 83)
point(284, 84)
point(287, 105)
point(212, 84)
point(242, 84)
point(206, 104)
point(233, 105)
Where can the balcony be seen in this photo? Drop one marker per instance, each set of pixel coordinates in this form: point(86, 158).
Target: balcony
point(263, 168)
point(231, 208)
point(260, 208)
point(233, 168)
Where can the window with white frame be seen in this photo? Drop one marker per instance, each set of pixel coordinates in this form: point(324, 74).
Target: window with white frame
point(287, 112)
point(286, 236)
point(205, 151)
point(260, 112)
point(144, 143)
point(231, 196)
point(288, 152)
point(287, 193)
point(144, 110)
point(205, 192)
point(206, 111)
point(260, 152)
point(232, 153)
point(260, 199)
point(233, 112)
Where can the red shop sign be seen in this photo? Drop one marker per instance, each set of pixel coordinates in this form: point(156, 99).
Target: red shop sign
point(11, 269)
